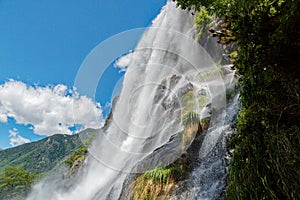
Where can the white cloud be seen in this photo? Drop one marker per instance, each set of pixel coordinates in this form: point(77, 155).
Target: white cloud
point(3, 118)
point(3, 115)
point(15, 139)
point(50, 109)
point(124, 61)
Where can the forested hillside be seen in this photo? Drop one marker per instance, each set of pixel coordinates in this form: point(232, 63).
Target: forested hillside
point(265, 163)
point(22, 166)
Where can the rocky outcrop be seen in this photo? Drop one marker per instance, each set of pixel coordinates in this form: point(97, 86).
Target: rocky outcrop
point(141, 186)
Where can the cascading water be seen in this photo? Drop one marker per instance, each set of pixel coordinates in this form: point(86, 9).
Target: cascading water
point(208, 179)
point(166, 67)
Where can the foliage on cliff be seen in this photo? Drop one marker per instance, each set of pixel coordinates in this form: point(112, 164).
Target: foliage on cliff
point(78, 154)
point(265, 163)
point(157, 183)
point(190, 118)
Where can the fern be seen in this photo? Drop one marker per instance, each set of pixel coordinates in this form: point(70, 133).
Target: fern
point(190, 118)
point(163, 175)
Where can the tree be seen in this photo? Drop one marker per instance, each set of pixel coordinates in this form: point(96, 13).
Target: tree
point(15, 182)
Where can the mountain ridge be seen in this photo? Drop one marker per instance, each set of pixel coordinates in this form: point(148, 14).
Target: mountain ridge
point(43, 155)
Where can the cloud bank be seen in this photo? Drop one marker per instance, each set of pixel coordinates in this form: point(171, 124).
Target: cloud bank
point(15, 139)
point(50, 110)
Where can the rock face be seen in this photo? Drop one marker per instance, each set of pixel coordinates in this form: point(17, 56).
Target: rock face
point(205, 174)
point(110, 116)
point(77, 165)
point(183, 149)
point(153, 189)
point(178, 143)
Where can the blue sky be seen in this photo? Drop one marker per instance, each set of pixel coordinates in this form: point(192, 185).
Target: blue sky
point(42, 45)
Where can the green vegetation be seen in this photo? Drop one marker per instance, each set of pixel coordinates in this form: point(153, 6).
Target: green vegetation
point(188, 101)
point(163, 175)
point(203, 21)
point(265, 163)
point(21, 166)
point(157, 183)
point(42, 156)
point(233, 56)
point(202, 17)
point(190, 118)
point(78, 154)
point(204, 124)
point(15, 183)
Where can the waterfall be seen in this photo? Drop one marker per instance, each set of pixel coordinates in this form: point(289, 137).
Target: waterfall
point(168, 72)
point(208, 179)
